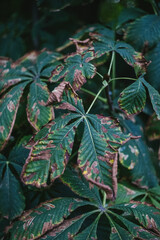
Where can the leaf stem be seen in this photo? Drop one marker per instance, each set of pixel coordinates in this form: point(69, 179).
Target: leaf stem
point(144, 198)
point(154, 7)
point(104, 199)
point(114, 74)
point(99, 75)
point(94, 94)
point(110, 66)
point(119, 78)
point(105, 84)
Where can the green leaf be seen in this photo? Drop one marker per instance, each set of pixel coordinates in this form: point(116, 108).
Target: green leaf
point(97, 165)
point(119, 233)
point(46, 217)
point(49, 155)
point(136, 231)
point(78, 184)
point(133, 98)
point(153, 128)
point(33, 68)
point(127, 193)
point(89, 232)
point(144, 30)
point(128, 14)
point(153, 70)
point(135, 156)
point(67, 229)
point(13, 202)
point(154, 96)
point(38, 114)
point(146, 215)
point(104, 45)
point(97, 155)
point(75, 70)
point(8, 109)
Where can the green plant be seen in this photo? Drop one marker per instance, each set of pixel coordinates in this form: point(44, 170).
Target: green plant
point(81, 167)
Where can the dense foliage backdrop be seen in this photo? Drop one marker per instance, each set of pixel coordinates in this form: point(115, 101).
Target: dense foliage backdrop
point(80, 119)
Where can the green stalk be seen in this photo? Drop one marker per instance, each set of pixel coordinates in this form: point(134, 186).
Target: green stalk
point(99, 75)
point(114, 74)
point(104, 199)
point(110, 66)
point(93, 94)
point(119, 78)
point(154, 6)
point(105, 84)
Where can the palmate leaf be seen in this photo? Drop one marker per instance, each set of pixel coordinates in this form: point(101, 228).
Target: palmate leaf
point(103, 45)
point(12, 201)
point(139, 35)
point(33, 68)
point(76, 69)
point(47, 218)
point(141, 230)
point(97, 154)
point(133, 98)
point(135, 156)
point(8, 109)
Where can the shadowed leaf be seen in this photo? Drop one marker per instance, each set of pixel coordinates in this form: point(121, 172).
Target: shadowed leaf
point(154, 97)
point(135, 156)
point(37, 222)
point(8, 109)
point(133, 98)
point(139, 35)
point(13, 202)
point(78, 184)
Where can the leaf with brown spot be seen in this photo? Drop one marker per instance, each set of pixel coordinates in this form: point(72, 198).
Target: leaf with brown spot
point(56, 94)
point(8, 110)
point(97, 154)
point(37, 112)
point(135, 156)
point(154, 97)
point(133, 98)
point(49, 154)
point(68, 229)
point(126, 193)
point(147, 216)
point(76, 69)
point(51, 214)
point(128, 229)
point(153, 128)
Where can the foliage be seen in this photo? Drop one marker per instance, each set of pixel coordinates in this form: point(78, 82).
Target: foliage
point(80, 122)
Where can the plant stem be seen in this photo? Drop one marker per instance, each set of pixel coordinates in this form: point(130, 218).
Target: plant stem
point(114, 74)
point(154, 6)
point(105, 84)
point(119, 78)
point(110, 66)
point(144, 198)
point(93, 94)
point(104, 199)
point(99, 75)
